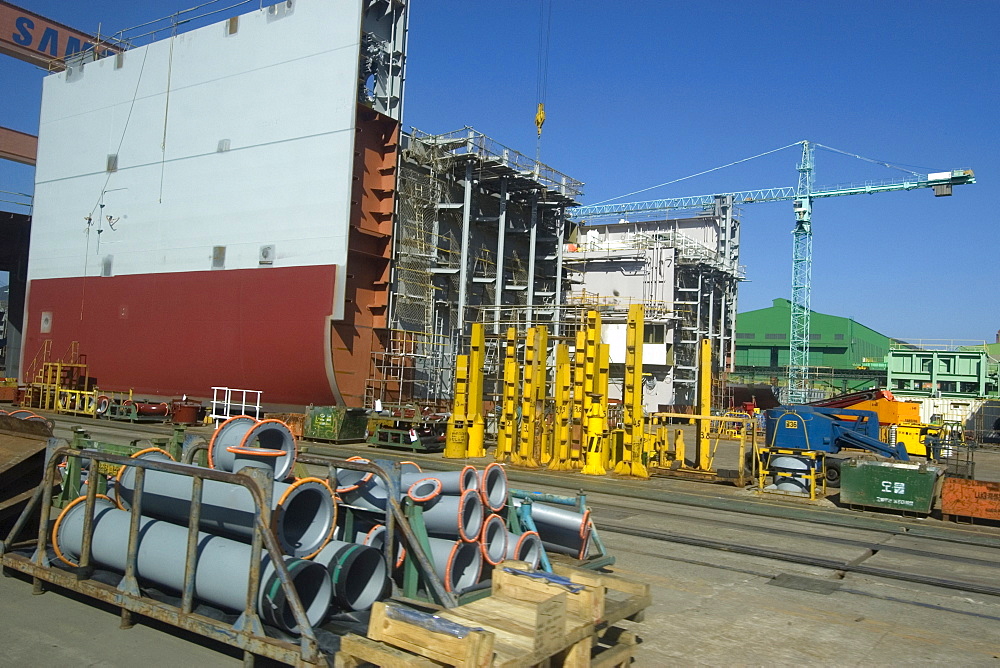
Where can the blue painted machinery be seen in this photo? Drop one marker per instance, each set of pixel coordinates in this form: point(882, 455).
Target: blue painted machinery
point(827, 430)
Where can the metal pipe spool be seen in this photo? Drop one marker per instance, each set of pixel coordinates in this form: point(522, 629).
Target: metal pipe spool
point(561, 530)
point(221, 572)
point(372, 494)
point(357, 574)
point(527, 547)
point(449, 516)
point(452, 482)
point(376, 537)
point(493, 487)
point(458, 563)
point(349, 480)
point(244, 431)
point(304, 511)
point(493, 540)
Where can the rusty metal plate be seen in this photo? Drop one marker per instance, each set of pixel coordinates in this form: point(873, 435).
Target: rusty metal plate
point(971, 498)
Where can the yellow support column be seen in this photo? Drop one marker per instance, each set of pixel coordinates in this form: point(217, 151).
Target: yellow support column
point(564, 408)
point(577, 440)
point(545, 436)
point(507, 433)
point(457, 439)
point(596, 441)
point(633, 422)
point(703, 456)
point(477, 423)
point(590, 355)
point(601, 381)
point(524, 456)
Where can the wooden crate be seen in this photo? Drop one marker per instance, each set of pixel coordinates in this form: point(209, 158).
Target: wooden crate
point(529, 619)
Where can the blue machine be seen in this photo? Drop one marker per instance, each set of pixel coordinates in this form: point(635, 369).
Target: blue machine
point(823, 429)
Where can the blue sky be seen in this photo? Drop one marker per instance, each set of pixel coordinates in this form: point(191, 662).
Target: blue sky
point(639, 93)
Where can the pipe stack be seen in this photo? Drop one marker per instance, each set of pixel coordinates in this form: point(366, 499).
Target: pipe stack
point(329, 576)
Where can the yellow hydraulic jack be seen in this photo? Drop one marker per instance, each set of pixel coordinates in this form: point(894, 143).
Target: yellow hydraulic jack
point(634, 424)
point(564, 409)
point(474, 404)
point(577, 439)
point(457, 438)
point(597, 438)
point(507, 433)
point(533, 376)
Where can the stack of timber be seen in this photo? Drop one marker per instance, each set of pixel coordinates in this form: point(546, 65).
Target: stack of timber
point(530, 618)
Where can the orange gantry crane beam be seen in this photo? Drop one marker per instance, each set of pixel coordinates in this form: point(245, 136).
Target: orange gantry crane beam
point(35, 39)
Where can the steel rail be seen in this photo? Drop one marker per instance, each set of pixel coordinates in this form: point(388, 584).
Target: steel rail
point(801, 559)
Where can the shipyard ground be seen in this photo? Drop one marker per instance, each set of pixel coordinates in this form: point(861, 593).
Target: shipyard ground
point(711, 605)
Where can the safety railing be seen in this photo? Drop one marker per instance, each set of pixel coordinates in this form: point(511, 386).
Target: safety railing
point(227, 402)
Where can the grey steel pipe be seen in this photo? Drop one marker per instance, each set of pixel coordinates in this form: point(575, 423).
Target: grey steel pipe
point(375, 538)
point(493, 487)
point(452, 482)
point(244, 431)
point(450, 516)
point(222, 569)
point(357, 575)
point(372, 494)
point(458, 563)
point(493, 540)
point(526, 547)
point(304, 511)
point(562, 530)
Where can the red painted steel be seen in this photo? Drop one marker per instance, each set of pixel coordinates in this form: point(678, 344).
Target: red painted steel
point(183, 333)
point(18, 146)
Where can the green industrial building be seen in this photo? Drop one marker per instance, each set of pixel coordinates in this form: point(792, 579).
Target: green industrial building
point(844, 355)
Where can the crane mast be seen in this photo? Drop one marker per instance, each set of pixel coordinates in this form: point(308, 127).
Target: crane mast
point(798, 338)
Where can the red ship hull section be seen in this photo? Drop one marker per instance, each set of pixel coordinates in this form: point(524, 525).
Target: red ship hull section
point(183, 333)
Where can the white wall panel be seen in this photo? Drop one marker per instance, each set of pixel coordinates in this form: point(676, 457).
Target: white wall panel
point(281, 92)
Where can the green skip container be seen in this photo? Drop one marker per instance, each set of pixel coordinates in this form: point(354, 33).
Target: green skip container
point(910, 488)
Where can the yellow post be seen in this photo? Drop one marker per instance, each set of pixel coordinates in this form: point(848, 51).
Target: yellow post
point(680, 454)
point(457, 435)
point(596, 442)
point(564, 407)
point(703, 456)
point(578, 442)
point(634, 423)
point(591, 352)
point(507, 433)
point(601, 382)
point(529, 417)
point(477, 423)
point(544, 436)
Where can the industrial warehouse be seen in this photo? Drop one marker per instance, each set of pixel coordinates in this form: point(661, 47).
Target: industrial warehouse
point(285, 379)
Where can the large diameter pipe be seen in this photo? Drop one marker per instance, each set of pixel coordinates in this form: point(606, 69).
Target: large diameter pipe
point(449, 516)
point(493, 487)
point(357, 575)
point(525, 547)
point(222, 570)
point(304, 512)
point(244, 431)
point(458, 563)
point(452, 482)
point(376, 537)
point(493, 540)
point(561, 530)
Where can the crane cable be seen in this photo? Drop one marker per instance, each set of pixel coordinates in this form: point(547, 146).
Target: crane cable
point(542, 75)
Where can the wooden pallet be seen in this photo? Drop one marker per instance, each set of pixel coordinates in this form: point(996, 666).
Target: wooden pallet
point(529, 619)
